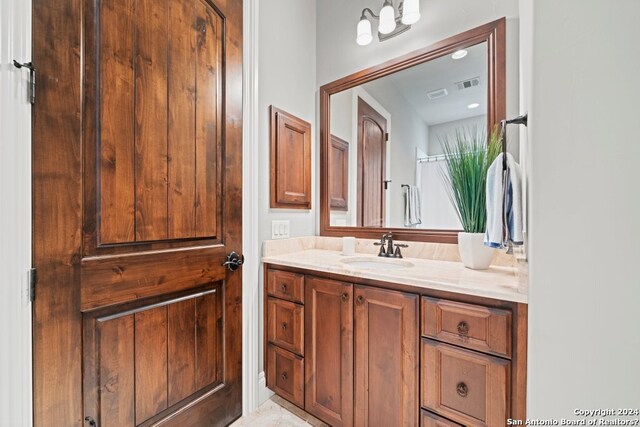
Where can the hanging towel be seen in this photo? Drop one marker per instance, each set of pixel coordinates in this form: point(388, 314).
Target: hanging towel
point(504, 204)
point(412, 216)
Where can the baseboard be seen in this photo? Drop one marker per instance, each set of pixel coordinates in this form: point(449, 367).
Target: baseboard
point(263, 392)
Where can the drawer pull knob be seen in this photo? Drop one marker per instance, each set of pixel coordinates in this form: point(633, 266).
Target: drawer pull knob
point(462, 389)
point(463, 328)
point(283, 288)
point(359, 300)
point(284, 376)
point(284, 326)
point(345, 297)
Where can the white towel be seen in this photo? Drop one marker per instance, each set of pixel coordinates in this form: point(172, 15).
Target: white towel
point(412, 216)
point(504, 204)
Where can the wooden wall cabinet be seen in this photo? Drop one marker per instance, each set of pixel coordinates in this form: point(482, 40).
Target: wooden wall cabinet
point(290, 161)
point(338, 174)
point(378, 356)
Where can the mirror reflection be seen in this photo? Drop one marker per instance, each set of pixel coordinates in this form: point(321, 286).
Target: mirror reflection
point(386, 158)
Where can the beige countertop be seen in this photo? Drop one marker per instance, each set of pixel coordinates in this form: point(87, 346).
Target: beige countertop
point(498, 282)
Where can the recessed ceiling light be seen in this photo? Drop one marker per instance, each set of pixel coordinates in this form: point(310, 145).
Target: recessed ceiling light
point(474, 105)
point(459, 54)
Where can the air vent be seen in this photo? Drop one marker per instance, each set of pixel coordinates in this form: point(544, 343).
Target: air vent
point(466, 84)
point(435, 94)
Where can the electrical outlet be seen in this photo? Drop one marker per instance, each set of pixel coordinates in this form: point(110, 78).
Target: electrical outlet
point(280, 229)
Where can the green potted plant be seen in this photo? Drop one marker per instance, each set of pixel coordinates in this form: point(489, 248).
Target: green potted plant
point(467, 160)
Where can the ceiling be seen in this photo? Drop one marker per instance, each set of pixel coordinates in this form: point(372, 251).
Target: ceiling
point(443, 73)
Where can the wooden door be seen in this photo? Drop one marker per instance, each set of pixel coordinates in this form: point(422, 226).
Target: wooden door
point(372, 142)
point(137, 193)
point(329, 350)
point(386, 358)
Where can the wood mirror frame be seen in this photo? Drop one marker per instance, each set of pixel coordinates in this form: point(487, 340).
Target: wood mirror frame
point(494, 34)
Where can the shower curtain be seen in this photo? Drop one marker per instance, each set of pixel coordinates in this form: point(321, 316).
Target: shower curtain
point(437, 210)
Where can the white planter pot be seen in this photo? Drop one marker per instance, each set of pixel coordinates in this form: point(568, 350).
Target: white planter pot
point(473, 252)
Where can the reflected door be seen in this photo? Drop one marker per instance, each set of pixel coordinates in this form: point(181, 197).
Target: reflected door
point(372, 141)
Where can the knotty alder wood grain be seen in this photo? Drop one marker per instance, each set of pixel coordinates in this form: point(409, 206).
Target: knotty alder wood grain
point(290, 159)
point(149, 359)
point(386, 357)
point(181, 124)
point(137, 134)
point(116, 186)
point(150, 362)
point(329, 350)
point(57, 212)
point(160, 108)
point(372, 147)
point(151, 18)
point(181, 343)
point(208, 208)
point(339, 174)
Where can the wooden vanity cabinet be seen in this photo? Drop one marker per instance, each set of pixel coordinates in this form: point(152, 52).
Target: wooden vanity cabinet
point(374, 356)
point(329, 350)
point(386, 357)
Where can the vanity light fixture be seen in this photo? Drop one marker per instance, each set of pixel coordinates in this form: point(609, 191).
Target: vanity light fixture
point(389, 24)
point(459, 54)
point(473, 105)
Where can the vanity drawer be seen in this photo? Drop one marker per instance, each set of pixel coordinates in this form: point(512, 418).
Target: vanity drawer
point(285, 374)
point(285, 285)
point(472, 326)
point(286, 325)
point(429, 419)
point(468, 387)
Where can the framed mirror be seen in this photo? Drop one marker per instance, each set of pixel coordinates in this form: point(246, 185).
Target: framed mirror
point(381, 133)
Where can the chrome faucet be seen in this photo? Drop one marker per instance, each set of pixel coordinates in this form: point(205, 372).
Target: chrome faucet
point(389, 252)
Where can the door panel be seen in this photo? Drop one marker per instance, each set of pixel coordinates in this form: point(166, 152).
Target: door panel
point(150, 358)
point(116, 371)
point(372, 138)
point(158, 177)
point(386, 358)
point(181, 344)
point(137, 137)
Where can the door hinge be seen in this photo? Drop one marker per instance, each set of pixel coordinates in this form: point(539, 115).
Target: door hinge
point(32, 78)
point(386, 136)
point(33, 278)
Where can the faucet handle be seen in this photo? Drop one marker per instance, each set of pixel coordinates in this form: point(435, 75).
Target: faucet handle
point(398, 253)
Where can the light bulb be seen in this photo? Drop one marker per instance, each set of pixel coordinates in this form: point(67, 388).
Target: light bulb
point(410, 12)
point(364, 36)
point(387, 19)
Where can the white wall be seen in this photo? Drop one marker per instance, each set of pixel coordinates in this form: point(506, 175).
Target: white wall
point(584, 344)
point(15, 215)
point(287, 80)
point(339, 55)
point(448, 131)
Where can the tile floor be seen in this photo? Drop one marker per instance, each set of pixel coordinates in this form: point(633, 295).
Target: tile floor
point(277, 412)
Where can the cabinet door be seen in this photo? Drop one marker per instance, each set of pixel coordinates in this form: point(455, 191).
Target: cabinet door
point(329, 350)
point(386, 358)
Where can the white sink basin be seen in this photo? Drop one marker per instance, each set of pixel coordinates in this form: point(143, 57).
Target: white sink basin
point(371, 263)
